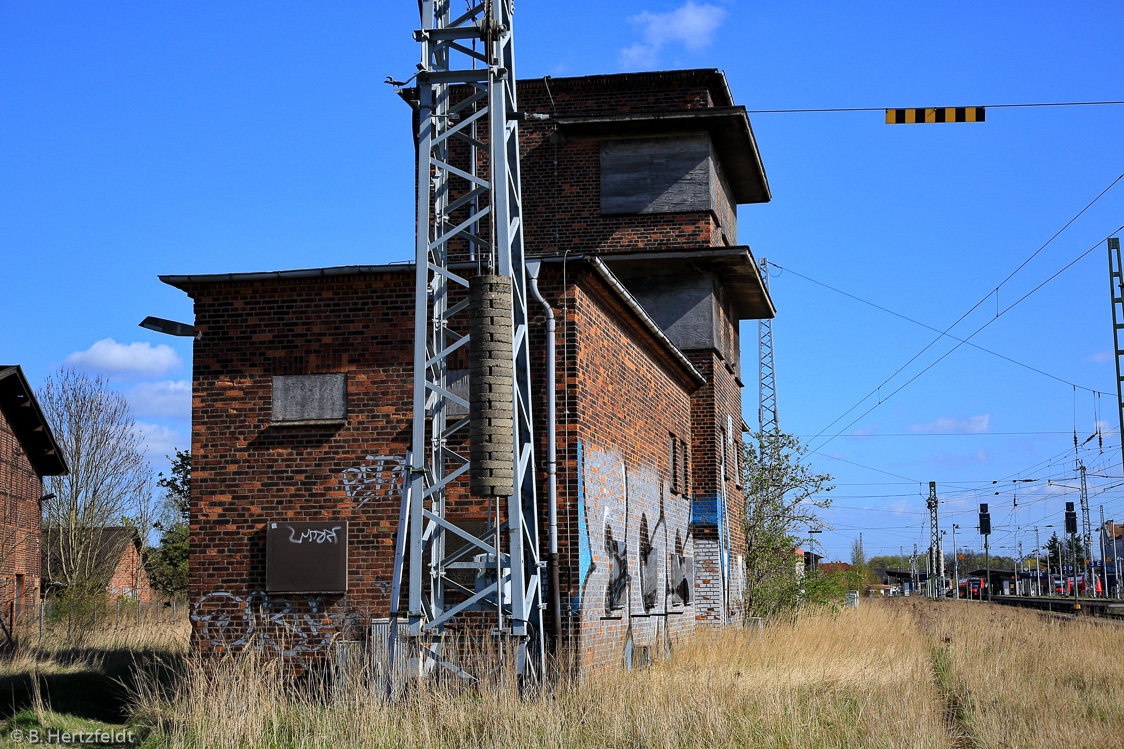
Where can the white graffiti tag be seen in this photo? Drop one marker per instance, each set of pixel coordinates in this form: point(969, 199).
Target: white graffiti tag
point(377, 475)
point(314, 535)
point(291, 627)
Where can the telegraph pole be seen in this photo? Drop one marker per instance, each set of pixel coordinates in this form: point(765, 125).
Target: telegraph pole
point(1038, 563)
point(1071, 531)
point(985, 531)
point(1104, 558)
point(913, 569)
point(955, 565)
point(940, 591)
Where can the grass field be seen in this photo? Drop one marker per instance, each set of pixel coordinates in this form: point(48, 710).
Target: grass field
point(901, 673)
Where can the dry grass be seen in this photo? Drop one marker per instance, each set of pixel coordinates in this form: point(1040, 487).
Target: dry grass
point(60, 651)
point(84, 677)
point(851, 679)
point(1018, 679)
point(902, 673)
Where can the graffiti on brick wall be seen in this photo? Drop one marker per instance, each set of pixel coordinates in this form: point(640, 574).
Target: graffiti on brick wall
point(286, 626)
point(649, 571)
point(315, 535)
point(616, 550)
point(638, 541)
point(375, 476)
point(680, 578)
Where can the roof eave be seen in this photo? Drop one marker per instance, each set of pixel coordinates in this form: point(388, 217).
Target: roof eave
point(728, 127)
point(29, 424)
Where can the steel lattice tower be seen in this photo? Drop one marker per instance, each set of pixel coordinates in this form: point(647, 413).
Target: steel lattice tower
point(934, 538)
point(767, 379)
point(1116, 293)
point(460, 89)
point(1086, 522)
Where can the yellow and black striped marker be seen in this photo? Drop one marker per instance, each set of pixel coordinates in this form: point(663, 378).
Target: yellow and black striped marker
point(939, 114)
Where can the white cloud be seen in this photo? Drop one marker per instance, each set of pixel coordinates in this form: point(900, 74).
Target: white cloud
point(127, 359)
point(160, 440)
point(1101, 357)
point(955, 425)
point(691, 25)
point(171, 398)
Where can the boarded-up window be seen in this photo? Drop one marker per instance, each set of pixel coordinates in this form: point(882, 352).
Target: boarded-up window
point(311, 397)
point(722, 456)
point(684, 468)
point(657, 175)
point(673, 465)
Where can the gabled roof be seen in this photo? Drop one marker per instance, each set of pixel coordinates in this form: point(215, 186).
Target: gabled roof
point(22, 412)
point(108, 545)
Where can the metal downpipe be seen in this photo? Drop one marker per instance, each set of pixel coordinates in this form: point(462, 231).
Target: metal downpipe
point(551, 452)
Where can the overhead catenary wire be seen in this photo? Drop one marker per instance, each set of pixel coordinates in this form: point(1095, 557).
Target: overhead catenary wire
point(944, 333)
point(984, 106)
point(954, 348)
point(975, 306)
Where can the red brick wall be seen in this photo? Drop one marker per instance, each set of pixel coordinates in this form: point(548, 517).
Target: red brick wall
point(715, 406)
point(630, 402)
point(247, 472)
point(131, 578)
point(625, 395)
point(20, 538)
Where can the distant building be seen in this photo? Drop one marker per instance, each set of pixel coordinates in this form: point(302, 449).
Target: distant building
point(830, 568)
point(118, 561)
point(806, 561)
point(28, 452)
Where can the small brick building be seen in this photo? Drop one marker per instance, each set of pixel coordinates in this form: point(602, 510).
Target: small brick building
point(302, 383)
point(28, 452)
point(118, 561)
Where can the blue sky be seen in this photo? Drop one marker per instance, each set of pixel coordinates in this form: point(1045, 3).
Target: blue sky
point(138, 139)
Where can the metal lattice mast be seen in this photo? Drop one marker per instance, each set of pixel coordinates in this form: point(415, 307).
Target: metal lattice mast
point(1116, 290)
point(1086, 523)
point(934, 537)
point(767, 386)
point(462, 212)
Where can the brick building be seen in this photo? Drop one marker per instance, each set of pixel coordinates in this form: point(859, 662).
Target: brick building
point(117, 561)
point(28, 452)
point(303, 383)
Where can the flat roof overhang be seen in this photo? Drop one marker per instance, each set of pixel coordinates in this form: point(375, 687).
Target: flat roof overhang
point(728, 127)
point(734, 265)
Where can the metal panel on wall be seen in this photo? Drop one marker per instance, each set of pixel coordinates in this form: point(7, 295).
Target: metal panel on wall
point(306, 557)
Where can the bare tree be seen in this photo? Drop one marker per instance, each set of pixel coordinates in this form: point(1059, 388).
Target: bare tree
point(110, 479)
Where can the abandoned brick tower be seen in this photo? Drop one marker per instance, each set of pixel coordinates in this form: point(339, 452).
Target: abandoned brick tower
point(303, 387)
